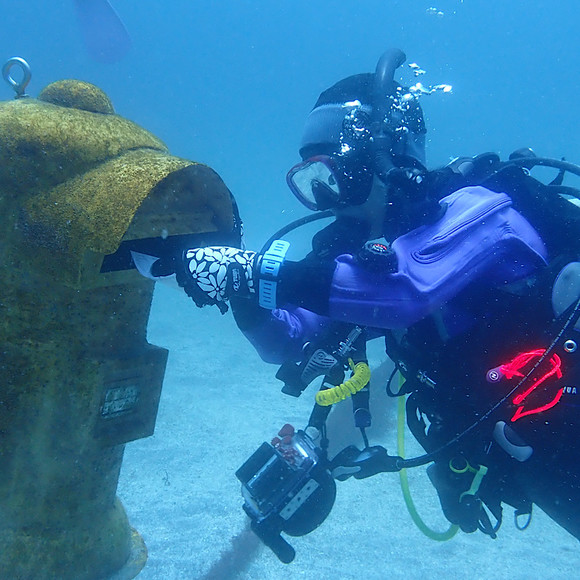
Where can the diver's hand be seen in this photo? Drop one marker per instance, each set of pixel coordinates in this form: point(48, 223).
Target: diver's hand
point(213, 275)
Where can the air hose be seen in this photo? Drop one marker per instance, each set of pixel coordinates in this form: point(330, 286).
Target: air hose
point(433, 534)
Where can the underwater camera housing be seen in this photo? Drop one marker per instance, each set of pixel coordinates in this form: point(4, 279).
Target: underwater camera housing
point(287, 487)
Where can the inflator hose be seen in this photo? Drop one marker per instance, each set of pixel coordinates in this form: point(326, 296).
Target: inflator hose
point(434, 535)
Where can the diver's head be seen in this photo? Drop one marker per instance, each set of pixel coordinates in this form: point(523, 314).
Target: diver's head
point(359, 129)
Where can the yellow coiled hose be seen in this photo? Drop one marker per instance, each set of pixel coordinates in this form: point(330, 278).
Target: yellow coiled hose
point(361, 375)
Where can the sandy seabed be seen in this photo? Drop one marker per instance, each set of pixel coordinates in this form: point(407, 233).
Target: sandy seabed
point(219, 403)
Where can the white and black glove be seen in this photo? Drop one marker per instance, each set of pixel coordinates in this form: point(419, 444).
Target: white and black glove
point(216, 274)
point(211, 276)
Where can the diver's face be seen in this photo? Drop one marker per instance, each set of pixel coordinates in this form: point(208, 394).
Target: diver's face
point(371, 212)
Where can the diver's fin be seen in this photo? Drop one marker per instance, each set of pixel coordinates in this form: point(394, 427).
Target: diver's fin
point(105, 35)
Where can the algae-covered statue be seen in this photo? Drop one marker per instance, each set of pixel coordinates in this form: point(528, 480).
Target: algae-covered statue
point(80, 189)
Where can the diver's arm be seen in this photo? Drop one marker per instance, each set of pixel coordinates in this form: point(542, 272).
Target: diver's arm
point(480, 238)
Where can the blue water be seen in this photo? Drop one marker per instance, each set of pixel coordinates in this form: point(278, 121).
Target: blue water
point(229, 84)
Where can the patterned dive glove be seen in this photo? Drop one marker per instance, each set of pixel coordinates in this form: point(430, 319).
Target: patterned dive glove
point(213, 275)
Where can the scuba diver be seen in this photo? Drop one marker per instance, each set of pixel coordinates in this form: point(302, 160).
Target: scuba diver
point(472, 275)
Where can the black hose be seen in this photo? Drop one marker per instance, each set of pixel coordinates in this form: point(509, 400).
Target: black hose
point(530, 162)
point(384, 83)
point(293, 225)
point(383, 88)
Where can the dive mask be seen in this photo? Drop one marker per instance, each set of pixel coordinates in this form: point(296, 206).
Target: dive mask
point(343, 177)
point(330, 181)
